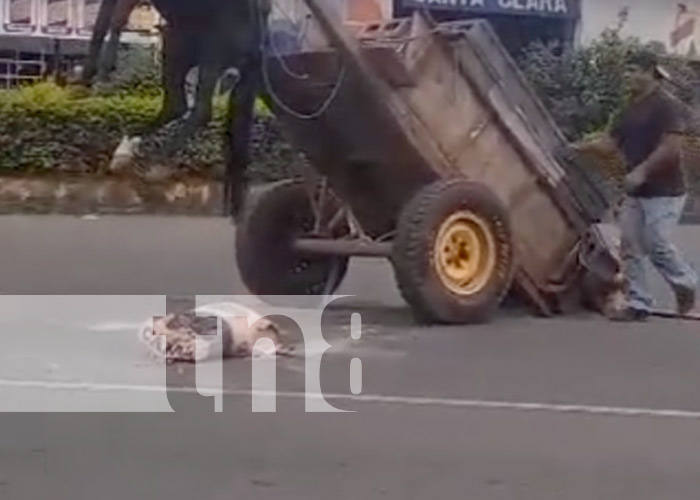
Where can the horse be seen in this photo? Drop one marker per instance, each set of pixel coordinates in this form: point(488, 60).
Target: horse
point(211, 35)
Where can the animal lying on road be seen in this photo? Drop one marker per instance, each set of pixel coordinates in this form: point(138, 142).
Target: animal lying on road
point(192, 335)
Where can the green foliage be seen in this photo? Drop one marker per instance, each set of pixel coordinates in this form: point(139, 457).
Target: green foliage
point(46, 128)
point(584, 88)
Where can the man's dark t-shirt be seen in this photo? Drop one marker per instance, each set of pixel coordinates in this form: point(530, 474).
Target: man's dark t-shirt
point(639, 132)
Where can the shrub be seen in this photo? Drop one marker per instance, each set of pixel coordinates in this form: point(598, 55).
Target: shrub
point(584, 87)
point(584, 90)
point(46, 128)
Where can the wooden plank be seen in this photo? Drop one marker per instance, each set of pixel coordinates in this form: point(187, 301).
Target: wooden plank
point(386, 62)
point(590, 196)
point(589, 199)
point(386, 102)
point(534, 156)
point(517, 86)
point(536, 297)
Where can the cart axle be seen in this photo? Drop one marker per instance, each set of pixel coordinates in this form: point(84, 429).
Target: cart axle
point(355, 248)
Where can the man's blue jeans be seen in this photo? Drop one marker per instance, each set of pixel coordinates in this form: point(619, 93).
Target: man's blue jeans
point(646, 225)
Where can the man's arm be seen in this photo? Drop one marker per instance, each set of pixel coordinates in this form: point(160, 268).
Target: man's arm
point(601, 145)
point(664, 157)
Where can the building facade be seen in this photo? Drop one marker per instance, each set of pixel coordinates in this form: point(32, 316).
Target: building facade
point(674, 24)
point(517, 22)
point(67, 19)
point(34, 34)
point(32, 31)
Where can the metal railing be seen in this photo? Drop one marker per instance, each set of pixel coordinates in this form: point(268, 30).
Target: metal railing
point(14, 71)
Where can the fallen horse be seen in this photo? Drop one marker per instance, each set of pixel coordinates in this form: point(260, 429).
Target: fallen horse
point(214, 331)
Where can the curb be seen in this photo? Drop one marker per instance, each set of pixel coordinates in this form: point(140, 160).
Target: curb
point(108, 195)
point(81, 195)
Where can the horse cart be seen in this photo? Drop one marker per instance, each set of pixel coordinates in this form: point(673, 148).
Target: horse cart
point(428, 148)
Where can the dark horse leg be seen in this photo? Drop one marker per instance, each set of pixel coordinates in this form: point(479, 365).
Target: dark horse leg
point(119, 19)
point(178, 58)
point(209, 73)
point(108, 62)
point(165, 140)
point(239, 124)
point(102, 24)
point(175, 126)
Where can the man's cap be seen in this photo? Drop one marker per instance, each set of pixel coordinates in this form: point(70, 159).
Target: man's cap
point(649, 61)
point(645, 59)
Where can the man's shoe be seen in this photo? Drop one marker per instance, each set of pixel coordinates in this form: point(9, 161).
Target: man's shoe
point(685, 300)
point(629, 315)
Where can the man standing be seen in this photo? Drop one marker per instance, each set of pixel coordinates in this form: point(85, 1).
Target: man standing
point(649, 134)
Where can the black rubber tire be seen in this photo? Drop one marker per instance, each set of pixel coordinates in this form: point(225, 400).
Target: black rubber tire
point(412, 256)
point(266, 261)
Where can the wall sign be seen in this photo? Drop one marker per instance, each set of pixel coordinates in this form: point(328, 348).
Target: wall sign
point(19, 15)
point(542, 8)
point(88, 15)
point(57, 17)
point(143, 18)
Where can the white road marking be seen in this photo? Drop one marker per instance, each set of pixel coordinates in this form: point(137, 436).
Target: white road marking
point(369, 398)
point(115, 326)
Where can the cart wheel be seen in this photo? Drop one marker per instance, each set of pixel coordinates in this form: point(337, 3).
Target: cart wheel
point(452, 256)
point(264, 254)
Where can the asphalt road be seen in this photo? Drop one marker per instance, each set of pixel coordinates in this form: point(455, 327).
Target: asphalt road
point(572, 407)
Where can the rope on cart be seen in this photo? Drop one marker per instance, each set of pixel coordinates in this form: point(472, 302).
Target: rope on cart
point(268, 84)
point(276, 50)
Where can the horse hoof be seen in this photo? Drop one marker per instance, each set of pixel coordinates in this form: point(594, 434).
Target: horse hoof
point(237, 203)
point(124, 154)
point(235, 194)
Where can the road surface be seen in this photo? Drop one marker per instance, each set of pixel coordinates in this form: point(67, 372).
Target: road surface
point(528, 408)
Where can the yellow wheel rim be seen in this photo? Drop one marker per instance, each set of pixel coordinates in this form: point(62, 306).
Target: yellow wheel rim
point(465, 253)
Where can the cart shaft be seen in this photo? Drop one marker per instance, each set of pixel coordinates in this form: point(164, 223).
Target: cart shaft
point(354, 248)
